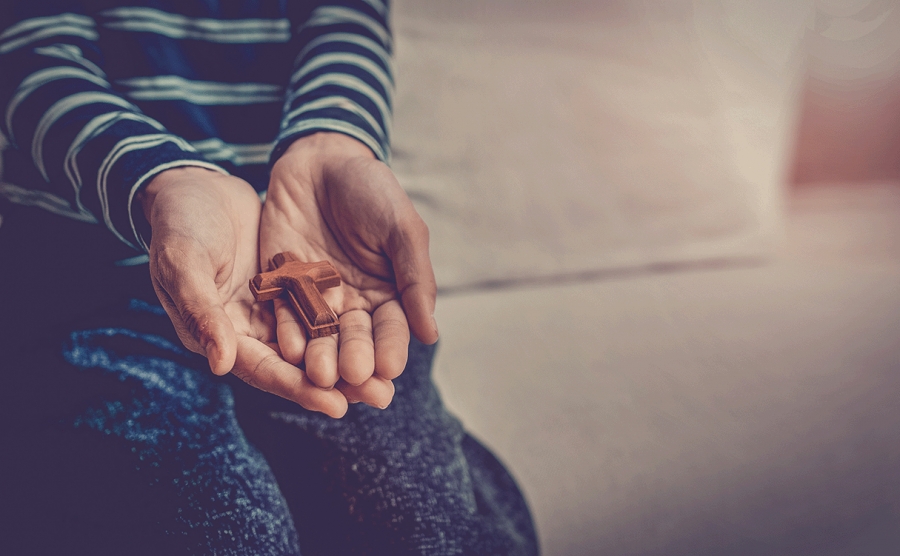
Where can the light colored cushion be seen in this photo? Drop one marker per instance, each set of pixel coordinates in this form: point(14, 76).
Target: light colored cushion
point(744, 412)
point(544, 138)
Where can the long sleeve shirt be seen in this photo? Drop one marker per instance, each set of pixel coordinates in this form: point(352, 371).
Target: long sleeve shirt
point(99, 96)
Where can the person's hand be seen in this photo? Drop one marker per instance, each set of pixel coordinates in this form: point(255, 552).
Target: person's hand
point(203, 252)
point(330, 199)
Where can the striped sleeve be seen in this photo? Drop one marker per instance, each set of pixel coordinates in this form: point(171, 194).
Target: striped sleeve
point(342, 79)
point(92, 147)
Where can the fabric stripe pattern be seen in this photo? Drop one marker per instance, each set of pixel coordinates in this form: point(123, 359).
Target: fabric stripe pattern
point(176, 26)
point(95, 102)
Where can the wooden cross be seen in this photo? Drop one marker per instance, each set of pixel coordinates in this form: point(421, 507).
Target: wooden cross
point(303, 284)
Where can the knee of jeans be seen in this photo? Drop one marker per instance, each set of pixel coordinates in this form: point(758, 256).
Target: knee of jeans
point(159, 394)
point(420, 360)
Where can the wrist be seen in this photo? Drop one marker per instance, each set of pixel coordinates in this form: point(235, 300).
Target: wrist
point(146, 196)
point(330, 143)
point(317, 154)
point(322, 148)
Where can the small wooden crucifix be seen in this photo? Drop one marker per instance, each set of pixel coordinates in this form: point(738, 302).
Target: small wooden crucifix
point(303, 283)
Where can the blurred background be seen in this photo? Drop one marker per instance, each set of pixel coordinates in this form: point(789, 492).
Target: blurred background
point(667, 240)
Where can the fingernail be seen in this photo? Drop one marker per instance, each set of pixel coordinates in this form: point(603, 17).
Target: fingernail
point(434, 325)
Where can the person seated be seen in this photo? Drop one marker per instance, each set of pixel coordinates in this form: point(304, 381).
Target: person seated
point(140, 139)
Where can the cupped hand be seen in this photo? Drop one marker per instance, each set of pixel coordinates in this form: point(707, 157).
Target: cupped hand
point(330, 199)
point(203, 252)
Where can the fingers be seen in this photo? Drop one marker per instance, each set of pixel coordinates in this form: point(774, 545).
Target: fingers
point(408, 249)
point(356, 361)
point(291, 335)
point(192, 302)
point(391, 334)
point(376, 391)
point(349, 360)
point(322, 361)
point(261, 367)
point(216, 335)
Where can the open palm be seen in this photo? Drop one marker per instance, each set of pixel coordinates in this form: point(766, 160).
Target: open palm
point(329, 199)
point(203, 252)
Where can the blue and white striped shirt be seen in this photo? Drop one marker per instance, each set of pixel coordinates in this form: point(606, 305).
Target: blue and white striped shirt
point(98, 97)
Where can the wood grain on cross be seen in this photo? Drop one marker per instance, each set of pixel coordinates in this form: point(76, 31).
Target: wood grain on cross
point(303, 283)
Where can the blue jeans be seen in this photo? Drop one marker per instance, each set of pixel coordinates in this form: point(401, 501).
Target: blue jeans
point(119, 441)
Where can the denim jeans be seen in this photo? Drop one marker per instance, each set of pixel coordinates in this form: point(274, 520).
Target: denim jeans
point(119, 441)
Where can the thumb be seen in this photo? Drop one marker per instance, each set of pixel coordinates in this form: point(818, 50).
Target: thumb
point(186, 287)
point(408, 251)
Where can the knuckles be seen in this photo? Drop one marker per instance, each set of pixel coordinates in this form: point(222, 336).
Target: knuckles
point(392, 328)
